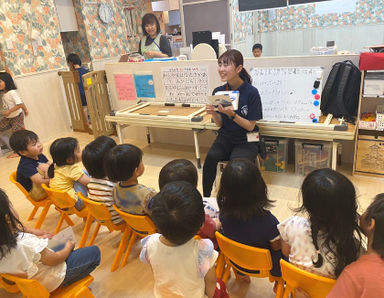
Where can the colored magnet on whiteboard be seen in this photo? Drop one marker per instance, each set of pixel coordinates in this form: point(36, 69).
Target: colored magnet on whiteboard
point(316, 103)
point(317, 96)
point(314, 91)
point(312, 116)
point(316, 84)
point(315, 120)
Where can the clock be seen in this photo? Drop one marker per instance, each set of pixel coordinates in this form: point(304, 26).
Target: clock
point(105, 13)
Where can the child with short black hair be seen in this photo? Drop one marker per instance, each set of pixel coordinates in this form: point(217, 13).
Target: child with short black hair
point(325, 242)
point(182, 266)
point(100, 189)
point(24, 252)
point(178, 170)
point(13, 107)
point(244, 215)
point(33, 165)
point(185, 170)
point(364, 278)
point(124, 164)
point(65, 172)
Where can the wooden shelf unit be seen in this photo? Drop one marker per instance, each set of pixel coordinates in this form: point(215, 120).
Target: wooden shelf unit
point(369, 144)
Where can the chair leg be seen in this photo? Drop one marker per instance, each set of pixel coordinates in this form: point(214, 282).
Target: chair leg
point(280, 288)
point(58, 227)
point(129, 248)
point(220, 265)
point(94, 235)
point(68, 219)
point(86, 230)
point(42, 216)
point(120, 250)
point(33, 213)
point(226, 273)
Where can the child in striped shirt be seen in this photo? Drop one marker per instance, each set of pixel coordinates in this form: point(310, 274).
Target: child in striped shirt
point(100, 189)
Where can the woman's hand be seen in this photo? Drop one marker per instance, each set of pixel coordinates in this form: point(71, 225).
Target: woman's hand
point(210, 109)
point(226, 111)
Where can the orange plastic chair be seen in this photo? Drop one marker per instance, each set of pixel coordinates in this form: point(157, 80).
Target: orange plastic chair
point(315, 285)
point(65, 205)
point(245, 256)
point(99, 212)
point(33, 289)
point(137, 226)
point(45, 203)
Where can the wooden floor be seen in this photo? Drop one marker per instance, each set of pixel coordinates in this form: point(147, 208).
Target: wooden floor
point(135, 279)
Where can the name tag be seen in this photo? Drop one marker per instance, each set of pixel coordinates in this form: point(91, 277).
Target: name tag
point(253, 137)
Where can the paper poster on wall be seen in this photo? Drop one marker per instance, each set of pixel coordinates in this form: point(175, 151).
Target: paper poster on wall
point(125, 87)
point(185, 84)
point(145, 87)
point(291, 94)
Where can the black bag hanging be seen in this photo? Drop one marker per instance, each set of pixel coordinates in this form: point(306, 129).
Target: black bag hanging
point(341, 92)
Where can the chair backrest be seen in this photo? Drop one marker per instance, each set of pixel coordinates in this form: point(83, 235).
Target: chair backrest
point(141, 224)
point(60, 198)
point(245, 256)
point(12, 178)
point(97, 209)
point(315, 285)
point(28, 287)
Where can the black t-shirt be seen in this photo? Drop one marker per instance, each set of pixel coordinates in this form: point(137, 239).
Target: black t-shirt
point(249, 108)
point(28, 167)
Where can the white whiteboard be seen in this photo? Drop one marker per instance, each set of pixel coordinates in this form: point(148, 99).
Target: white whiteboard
point(287, 93)
point(185, 84)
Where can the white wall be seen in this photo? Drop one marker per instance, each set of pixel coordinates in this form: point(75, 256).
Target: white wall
point(48, 115)
point(299, 42)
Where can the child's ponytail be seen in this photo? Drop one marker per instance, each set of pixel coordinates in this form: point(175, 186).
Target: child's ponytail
point(51, 171)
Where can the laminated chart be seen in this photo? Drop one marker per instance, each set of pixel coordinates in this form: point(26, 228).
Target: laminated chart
point(185, 84)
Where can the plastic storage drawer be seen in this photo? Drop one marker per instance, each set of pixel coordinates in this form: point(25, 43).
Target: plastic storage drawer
point(311, 155)
point(277, 154)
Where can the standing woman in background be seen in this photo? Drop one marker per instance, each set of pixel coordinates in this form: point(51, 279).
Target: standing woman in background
point(237, 136)
point(153, 44)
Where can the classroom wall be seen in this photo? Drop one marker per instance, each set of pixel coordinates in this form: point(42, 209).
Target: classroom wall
point(17, 20)
point(36, 76)
point(295, 29)
point(77, 41)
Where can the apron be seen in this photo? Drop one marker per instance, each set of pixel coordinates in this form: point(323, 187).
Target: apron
point(154, 46)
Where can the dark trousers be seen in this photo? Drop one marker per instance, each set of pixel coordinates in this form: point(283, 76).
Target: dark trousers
point(223, 149)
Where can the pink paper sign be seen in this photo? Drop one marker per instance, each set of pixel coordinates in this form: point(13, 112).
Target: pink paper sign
point(125, 87)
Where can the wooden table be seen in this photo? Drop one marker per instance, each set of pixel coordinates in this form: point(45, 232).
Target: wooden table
point(186, 119)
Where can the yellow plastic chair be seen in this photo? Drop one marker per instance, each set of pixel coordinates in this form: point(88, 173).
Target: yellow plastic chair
point(65, 205)
point(99, 212)
point(33, 289)
point(315, 285)
point(137, 226)
point(248, 257)
point(45, 203)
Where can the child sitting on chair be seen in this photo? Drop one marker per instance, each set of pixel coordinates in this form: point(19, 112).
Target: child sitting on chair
point(24, 252)
point(182, 266)
point(365, 277)
point(124, 164)
point(33, 165)
point(100, 189)
point(244, 215)
point(184, 170)
point(328, 238)
point(65, 172)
